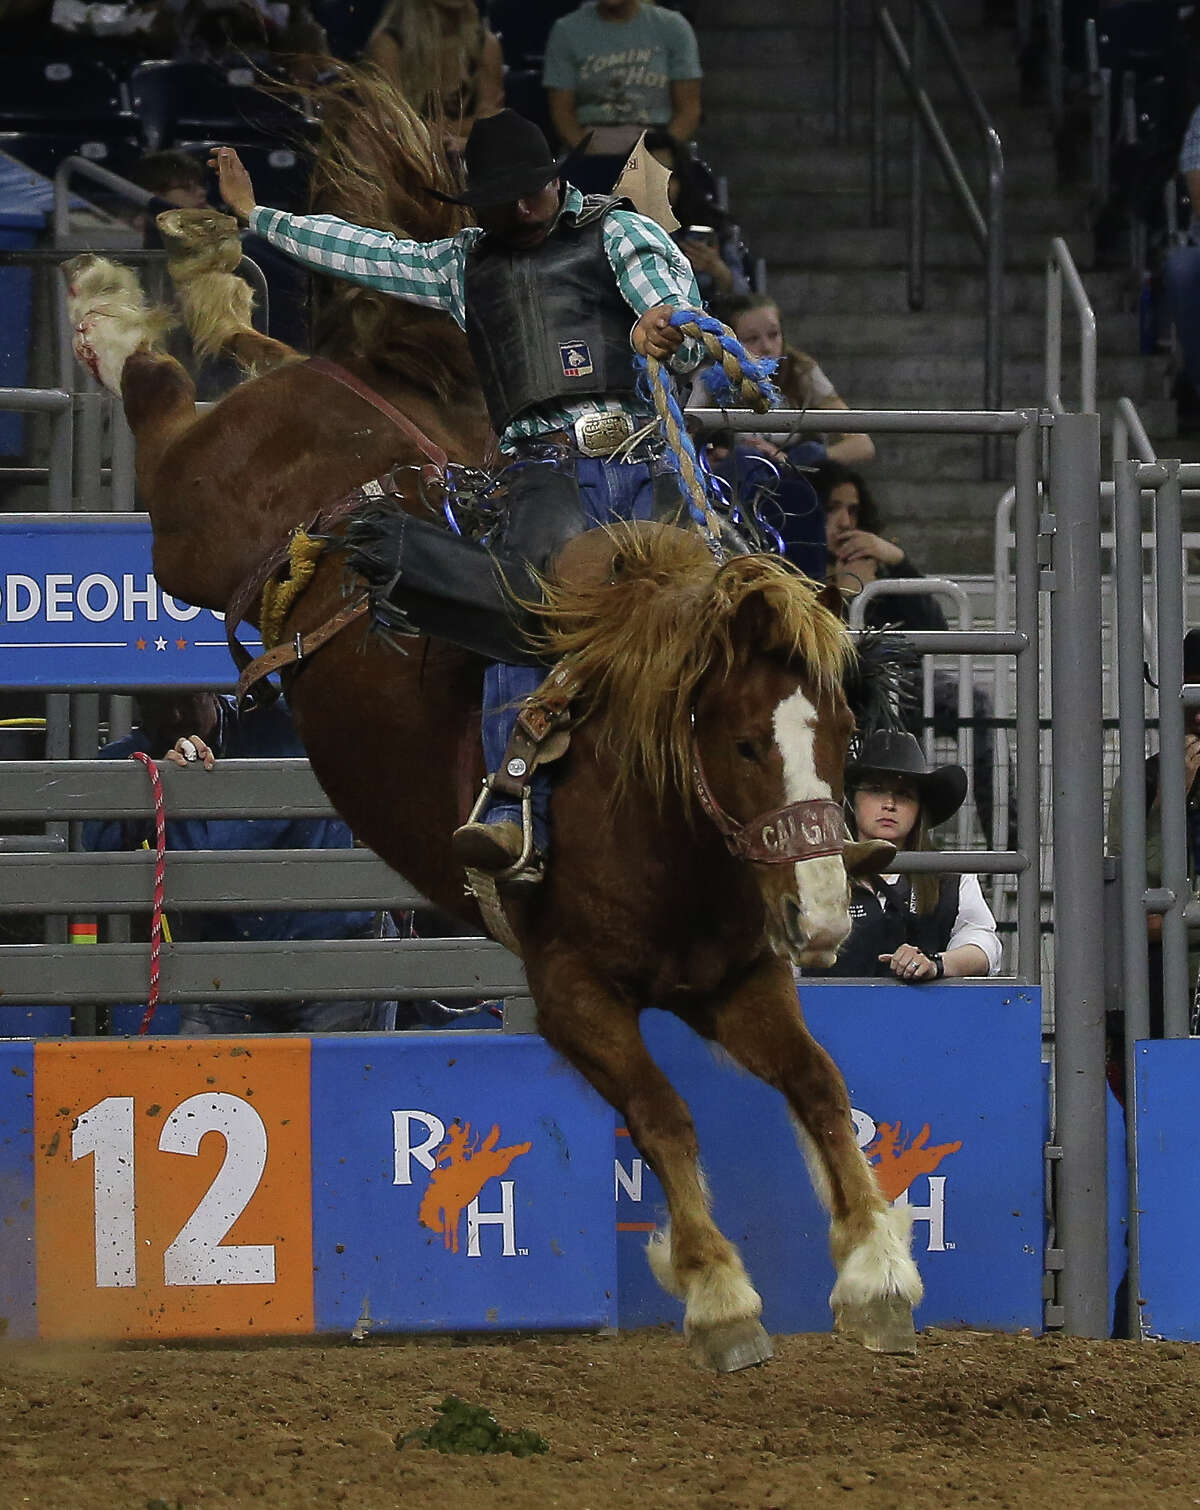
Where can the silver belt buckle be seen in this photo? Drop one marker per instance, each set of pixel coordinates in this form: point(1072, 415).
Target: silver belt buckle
point(598, 434)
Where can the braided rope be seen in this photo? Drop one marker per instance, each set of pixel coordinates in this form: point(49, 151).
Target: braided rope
point(160, 875)
point(278, 598)
point(745, 381)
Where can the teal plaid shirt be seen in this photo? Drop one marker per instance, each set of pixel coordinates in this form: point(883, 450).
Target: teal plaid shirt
point(650, 270)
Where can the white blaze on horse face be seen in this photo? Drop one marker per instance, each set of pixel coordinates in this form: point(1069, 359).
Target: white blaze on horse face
point(820, 882)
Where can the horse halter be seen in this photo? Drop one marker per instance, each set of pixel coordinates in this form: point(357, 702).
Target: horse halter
point(800, 831)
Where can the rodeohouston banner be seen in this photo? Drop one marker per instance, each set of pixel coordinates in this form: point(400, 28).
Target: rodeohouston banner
point(471, 1181)
point(79, 607)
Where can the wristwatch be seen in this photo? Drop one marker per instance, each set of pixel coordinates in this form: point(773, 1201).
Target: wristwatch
point(939, 965)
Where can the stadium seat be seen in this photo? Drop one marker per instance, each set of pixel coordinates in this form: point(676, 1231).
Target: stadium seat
point(52, 93)
point(193, 101)
point(43, 151)
point(280, 173)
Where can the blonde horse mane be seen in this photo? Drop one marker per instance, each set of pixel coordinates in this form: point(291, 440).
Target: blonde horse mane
point(645, 635)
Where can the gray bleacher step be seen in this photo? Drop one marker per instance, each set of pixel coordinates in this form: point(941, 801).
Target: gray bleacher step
point(895, 379)
point(748, 47)
point(850, 209)
point(829, 168)
point(726, 127)
point(829, 333)
point(876, 290)
point(849, 247)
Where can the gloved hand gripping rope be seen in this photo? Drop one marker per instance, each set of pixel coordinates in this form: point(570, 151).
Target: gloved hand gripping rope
point(737, 378)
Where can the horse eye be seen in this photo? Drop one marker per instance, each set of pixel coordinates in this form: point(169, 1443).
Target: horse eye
point(746, 749)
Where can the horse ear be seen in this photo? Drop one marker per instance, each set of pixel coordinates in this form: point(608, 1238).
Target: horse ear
point(832, 597)
point(751, 623)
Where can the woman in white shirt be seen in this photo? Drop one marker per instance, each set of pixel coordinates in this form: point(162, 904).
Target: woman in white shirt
point(922, 926)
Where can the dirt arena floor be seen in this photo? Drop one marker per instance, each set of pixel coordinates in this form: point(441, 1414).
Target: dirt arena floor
point(973, 1419)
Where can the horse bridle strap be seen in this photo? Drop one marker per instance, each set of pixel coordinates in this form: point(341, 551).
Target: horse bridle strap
point(401, 421)
point(799, 831)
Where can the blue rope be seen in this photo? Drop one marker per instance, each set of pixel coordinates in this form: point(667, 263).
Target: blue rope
point(759, 370)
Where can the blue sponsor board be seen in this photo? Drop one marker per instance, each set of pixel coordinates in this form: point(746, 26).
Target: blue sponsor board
point(1168, 1071)
point(460, 1182)
point(18, 1272)
point(80, 607)
point(946, 1087)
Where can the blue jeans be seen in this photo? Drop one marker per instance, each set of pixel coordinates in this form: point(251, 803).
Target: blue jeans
point(220, 1019)
point(608, 491)
point(1181, 278)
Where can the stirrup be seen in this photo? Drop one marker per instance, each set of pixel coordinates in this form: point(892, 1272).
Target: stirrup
point(521, 863)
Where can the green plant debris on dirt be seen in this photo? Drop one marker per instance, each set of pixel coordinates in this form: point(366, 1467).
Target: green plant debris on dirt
point(472, 1429)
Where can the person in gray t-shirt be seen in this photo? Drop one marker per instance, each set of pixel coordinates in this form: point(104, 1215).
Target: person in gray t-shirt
point(615, 67)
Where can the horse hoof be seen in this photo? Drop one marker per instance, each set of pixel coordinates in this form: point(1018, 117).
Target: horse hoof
point(732, 1345)
point(882, 1325)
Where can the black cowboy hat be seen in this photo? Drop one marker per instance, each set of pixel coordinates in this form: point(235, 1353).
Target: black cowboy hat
point(507, 157)
point(941, 789)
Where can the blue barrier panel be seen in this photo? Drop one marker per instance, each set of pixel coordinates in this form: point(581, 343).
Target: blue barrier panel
point(460, 1181)
point(79, 607)
point(18, 1270)
point(1168, 1072)
point(34, 1022)
point(946, 1086)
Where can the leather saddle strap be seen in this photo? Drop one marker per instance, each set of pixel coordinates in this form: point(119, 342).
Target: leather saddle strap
point(300, 648)
point(542, 713)
point(402, 422)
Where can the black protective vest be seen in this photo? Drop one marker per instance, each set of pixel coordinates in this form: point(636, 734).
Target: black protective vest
point(548, 324)
point(881, 923)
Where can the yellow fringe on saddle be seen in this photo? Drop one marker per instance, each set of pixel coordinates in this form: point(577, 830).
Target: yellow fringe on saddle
point(279, 598)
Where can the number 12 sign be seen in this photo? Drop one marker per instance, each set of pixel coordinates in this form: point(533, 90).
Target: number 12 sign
point(173, 1186)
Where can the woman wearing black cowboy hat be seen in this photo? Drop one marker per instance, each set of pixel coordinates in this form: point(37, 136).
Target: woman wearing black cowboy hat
point(923, 926)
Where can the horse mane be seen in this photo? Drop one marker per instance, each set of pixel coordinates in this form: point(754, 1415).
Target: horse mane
point(644, 636)
point(374, 163)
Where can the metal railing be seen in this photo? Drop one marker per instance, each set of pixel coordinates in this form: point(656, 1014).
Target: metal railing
point(1060, 269)
point(914, 587)
point(986, 225)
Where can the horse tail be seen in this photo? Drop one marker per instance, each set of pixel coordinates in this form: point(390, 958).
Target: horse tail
point(203, 249)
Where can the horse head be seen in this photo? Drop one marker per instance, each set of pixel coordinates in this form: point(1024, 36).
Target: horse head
point(772, 728)
point(723, 688)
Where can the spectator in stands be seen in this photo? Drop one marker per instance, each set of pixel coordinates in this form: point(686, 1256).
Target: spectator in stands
point(1154, 855)
point(758, 325)
point(143, 27)
point(615, 68)
point(176, 179)
point(267, 32)
point(195, 728)
point(924, 926)
point(1181, 281)
point(444, 59)
point(706, 236)
point(857, 554)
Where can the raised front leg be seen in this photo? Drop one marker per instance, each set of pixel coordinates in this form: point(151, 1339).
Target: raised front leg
point(600, 1036)
point(877, 1285)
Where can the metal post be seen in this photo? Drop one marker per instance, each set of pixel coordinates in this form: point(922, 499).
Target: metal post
point(1078, 796)
point(1054, 66)
point(841, 71)
point(878, 131)
point(1172, 783)
point(1131, 705)
point(1025, 530)
point(121, 486)
point(993, 325)
point(89, 437)
point(916, 187)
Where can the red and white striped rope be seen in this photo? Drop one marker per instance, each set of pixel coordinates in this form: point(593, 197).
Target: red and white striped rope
point(160, 872)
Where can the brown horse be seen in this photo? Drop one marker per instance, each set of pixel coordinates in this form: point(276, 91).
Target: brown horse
point(728, 679)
